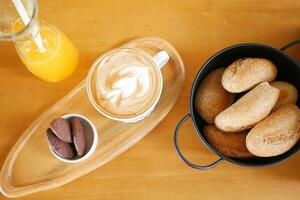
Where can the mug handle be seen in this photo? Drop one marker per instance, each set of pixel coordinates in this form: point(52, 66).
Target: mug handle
point(161, 59)
point(289, 45)
point(195, 166)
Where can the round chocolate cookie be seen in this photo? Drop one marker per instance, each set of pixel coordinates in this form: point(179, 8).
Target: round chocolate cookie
point(79, 137)
point(61, 128)
point(59, 147)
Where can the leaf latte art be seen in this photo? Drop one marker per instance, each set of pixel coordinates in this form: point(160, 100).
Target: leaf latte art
point(128, 84)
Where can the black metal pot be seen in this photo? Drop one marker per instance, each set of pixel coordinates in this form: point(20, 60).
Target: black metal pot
point(288, 70)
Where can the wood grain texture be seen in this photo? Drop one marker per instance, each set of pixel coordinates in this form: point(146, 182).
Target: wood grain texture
point(151, 169)
point(18, 178)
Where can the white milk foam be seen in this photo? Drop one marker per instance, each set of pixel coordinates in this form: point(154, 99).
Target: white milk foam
point(127, 84)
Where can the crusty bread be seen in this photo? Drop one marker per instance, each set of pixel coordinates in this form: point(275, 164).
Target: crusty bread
point(230, 144)
point(211, 98)
point(276, 134)
point(246, 73)
point(287, 93)
point(249, 109)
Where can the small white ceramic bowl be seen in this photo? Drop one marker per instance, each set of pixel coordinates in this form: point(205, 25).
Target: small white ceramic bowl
point(91, 139)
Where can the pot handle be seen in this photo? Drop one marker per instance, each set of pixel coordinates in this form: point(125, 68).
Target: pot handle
point(195, 166)
point(289, 45)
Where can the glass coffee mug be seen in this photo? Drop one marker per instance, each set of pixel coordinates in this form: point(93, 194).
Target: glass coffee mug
point(125, 84)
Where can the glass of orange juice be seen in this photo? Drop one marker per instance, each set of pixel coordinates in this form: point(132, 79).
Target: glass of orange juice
point(46, 52)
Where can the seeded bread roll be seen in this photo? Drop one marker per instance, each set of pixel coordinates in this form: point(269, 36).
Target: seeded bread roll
point(249, 109)
point(287, 93)
point(230, 144)
point(246, 73)
point(276, 134)
point(211, 97)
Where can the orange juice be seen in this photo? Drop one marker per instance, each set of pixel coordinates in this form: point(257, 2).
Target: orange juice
point(56, 62)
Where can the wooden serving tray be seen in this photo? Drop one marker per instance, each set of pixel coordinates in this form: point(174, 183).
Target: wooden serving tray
point(30, 167)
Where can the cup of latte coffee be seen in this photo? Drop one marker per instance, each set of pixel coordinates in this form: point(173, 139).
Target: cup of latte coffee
point(125, 84)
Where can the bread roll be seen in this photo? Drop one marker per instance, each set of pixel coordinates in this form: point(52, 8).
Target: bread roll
point(230, 144)
point(246, 73)
point(276, 134)
point(211, 98)
point(287, 93)
point(249, 109)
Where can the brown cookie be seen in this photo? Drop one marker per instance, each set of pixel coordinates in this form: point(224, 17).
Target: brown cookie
point(79, 137)
point(59, 147)
point(61, 128)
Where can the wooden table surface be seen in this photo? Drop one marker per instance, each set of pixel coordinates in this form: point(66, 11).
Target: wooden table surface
point(151, 169)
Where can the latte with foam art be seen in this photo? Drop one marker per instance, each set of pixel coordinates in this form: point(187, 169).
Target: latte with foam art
point(127, 83)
